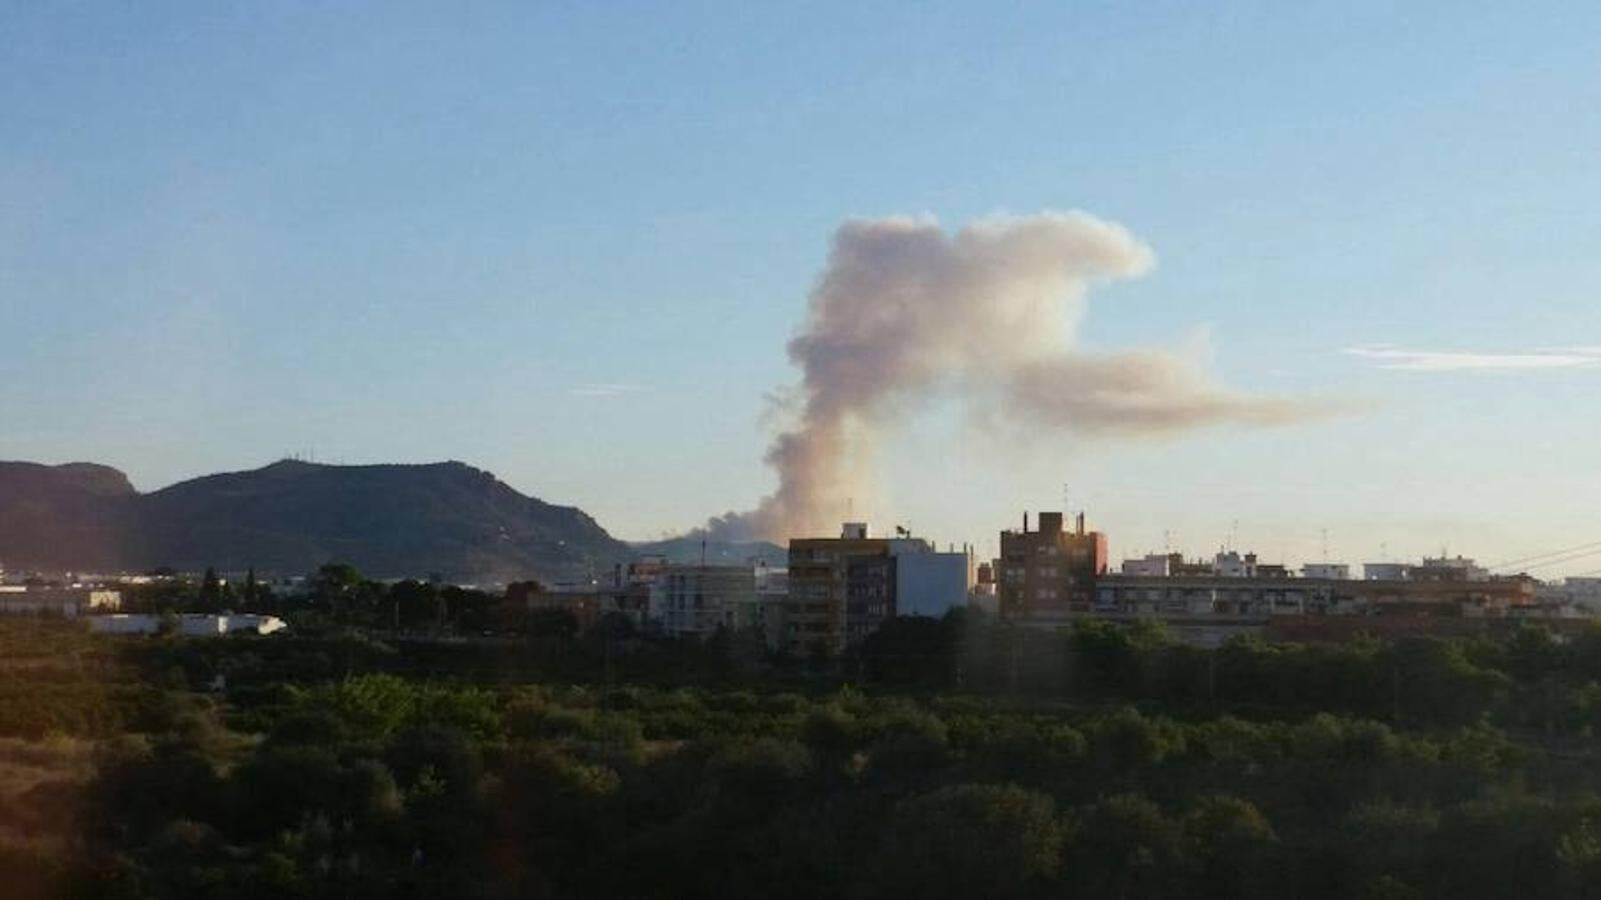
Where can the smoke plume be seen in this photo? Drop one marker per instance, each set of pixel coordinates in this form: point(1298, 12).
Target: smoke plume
point(905, 312)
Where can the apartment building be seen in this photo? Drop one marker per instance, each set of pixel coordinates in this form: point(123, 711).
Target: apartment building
point(1050, 573)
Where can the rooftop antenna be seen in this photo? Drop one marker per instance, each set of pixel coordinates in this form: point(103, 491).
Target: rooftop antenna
point(1325, 545)
point(1234, 535)
point(1167, 542)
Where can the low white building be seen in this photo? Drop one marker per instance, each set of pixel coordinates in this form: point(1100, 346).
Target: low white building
point(187, 624)
point(1154, 565)
point(1584, 591)
point(1231, 564)
point(1450, 568)
point(695, 600)
point(1578, 596)
point(1327, 571)
point(1386, 571)
point(64, 602)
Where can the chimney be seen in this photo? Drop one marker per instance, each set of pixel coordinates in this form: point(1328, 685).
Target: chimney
point(1081, 524)
point(1025, 521)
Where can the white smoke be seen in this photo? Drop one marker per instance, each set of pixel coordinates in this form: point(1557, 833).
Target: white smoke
point(904, 312)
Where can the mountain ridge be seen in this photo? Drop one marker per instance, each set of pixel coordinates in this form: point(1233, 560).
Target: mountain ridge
point(288, 517)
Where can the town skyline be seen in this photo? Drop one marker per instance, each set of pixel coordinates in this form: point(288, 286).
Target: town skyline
point(233, 500)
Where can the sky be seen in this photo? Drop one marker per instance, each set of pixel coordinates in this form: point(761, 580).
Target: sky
point(569, 243)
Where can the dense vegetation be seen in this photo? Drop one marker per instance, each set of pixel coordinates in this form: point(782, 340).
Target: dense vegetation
point(948, 759)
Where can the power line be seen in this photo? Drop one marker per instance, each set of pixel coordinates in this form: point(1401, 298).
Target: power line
point(1529, 559)
point(1561, 559)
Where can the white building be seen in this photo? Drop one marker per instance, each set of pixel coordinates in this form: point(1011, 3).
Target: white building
point(1585, 591)
point(927, 582)
point(1230, 564)
point(1327, 571)
point(64, 602)
point(1386, 571)
point(187, 624)
point(1579, 596)
point(695, 600)
point(1154, 565)
point(1452, 568)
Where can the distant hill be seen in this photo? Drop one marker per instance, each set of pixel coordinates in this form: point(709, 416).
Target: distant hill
point(290, 517)
point(687, 549)
point(74, 516)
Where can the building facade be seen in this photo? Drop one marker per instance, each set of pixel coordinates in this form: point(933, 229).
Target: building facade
point(815, 611)
point(693, 601)
point(843, 589)
point(1050, 573)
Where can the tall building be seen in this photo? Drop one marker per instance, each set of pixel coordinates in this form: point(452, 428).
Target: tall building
point(870, 589)
point(1050, 573)
point(816, 607)
point(842, 589)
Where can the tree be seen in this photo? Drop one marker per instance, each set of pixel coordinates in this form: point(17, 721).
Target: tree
point(554, 624)
point(210, 591)
point(972, 840)
point(912, 650)
point(413, 604)
point(754, 777)
point(1125, 847)
point(1230, 841)
point(335, 581)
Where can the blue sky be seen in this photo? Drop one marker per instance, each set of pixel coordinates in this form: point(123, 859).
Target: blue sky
point(568, 243)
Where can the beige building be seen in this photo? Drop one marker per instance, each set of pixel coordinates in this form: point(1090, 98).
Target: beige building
point(696, 600)
point(815, 610)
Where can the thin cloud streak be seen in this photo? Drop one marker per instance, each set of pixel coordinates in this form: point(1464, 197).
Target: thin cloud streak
point(1396, 359)
point(604, 390)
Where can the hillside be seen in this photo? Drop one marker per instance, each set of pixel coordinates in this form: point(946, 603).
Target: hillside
point(688, 549)
point(61, 517)
point(290, 517)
